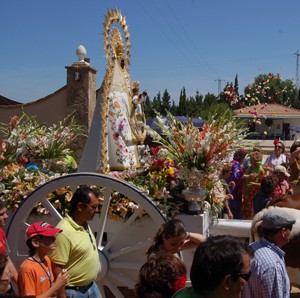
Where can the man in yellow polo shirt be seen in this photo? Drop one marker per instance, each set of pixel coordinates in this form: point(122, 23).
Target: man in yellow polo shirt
point(76, 249)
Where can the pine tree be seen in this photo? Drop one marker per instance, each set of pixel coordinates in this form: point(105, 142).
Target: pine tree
point(157, 103)
point(148, 108)
point(173, 108)
point(236, 85)
point(166, 103)
point(182, 107)
point(199, 103)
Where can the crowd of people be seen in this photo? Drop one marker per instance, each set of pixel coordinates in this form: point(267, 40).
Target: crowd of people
point(64, 262)
point(254, 184)
point(223, 266)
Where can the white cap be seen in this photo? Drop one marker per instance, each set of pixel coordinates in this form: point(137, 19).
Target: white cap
point(281, 169)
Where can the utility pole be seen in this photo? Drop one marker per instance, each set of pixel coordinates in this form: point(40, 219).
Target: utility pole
point(297, 69)
point(219, 80)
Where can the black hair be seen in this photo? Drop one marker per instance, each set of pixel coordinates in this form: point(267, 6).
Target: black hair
point(272, 232)
point(30, 245)
point(268, 185)
point(215, 258)
point(157, 277)
point(169, 229)
point(239, 155)
point(81, 195)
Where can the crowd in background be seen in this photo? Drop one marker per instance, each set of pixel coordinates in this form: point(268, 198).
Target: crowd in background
point(255, 184)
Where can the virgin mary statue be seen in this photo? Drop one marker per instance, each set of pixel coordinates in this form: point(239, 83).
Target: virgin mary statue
point(122, 151)
point(120, 130)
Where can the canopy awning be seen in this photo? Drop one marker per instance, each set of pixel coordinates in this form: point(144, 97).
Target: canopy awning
point(295, 128)
point(197, 122)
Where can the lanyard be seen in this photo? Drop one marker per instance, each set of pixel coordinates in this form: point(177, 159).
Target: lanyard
point(88, 231)
point(48, 272)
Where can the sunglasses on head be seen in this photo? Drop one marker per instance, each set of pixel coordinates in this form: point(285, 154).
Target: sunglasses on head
point(245, 276)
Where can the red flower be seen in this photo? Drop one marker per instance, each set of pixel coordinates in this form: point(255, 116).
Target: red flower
point(155, 150)
point(180, 283)
point(276, 141)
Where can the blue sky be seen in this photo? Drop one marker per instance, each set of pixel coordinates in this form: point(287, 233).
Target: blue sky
point(175, 43)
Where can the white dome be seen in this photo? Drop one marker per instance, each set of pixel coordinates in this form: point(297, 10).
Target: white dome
point(81, 52)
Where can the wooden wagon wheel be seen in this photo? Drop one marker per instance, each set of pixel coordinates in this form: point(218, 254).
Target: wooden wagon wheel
point(123, 252)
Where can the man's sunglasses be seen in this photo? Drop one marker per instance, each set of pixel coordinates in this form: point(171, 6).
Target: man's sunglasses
point(95, 206)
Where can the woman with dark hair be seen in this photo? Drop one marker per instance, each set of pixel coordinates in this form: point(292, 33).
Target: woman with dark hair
point(235, 183)
point(172, 237)
point(264, 195)
point(161, 276)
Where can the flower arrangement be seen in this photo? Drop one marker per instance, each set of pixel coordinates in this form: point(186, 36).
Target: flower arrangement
point(184, 153)
point(122, 207)
point(163, 176)
point(200, 155)
point(24, 135)
point(232, 95)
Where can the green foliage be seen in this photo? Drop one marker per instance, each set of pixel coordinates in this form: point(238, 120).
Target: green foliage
point(217, 109)
point(182, 107)
point(267, 88)
point(166, 102)
point(270, 88)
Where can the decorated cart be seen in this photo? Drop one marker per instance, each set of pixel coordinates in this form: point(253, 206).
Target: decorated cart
point(140, 188)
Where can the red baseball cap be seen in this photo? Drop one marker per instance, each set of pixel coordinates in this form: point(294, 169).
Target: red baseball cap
point(41, 228)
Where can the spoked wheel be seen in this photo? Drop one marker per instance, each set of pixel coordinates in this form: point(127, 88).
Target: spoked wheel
point(121, 244)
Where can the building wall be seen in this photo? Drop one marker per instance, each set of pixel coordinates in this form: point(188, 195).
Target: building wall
point(78, 97)
point(47, 110)
point(276, 129)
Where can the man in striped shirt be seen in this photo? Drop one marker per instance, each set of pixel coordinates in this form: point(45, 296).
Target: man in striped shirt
point(269, 277)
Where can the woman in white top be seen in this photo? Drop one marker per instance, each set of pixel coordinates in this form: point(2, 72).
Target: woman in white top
point(276, 158)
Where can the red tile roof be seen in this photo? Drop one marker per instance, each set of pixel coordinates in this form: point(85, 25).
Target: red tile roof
point(267, 110)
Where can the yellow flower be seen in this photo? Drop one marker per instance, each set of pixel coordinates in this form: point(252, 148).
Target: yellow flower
point(123, 211)
point(61, 191)
point(170, 171)
point(115, 217)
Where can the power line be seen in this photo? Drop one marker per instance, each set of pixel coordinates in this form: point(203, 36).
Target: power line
point(164, 33)
point(219, 80)
point(297, 69)
point(182, 43)
point(206, 65)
